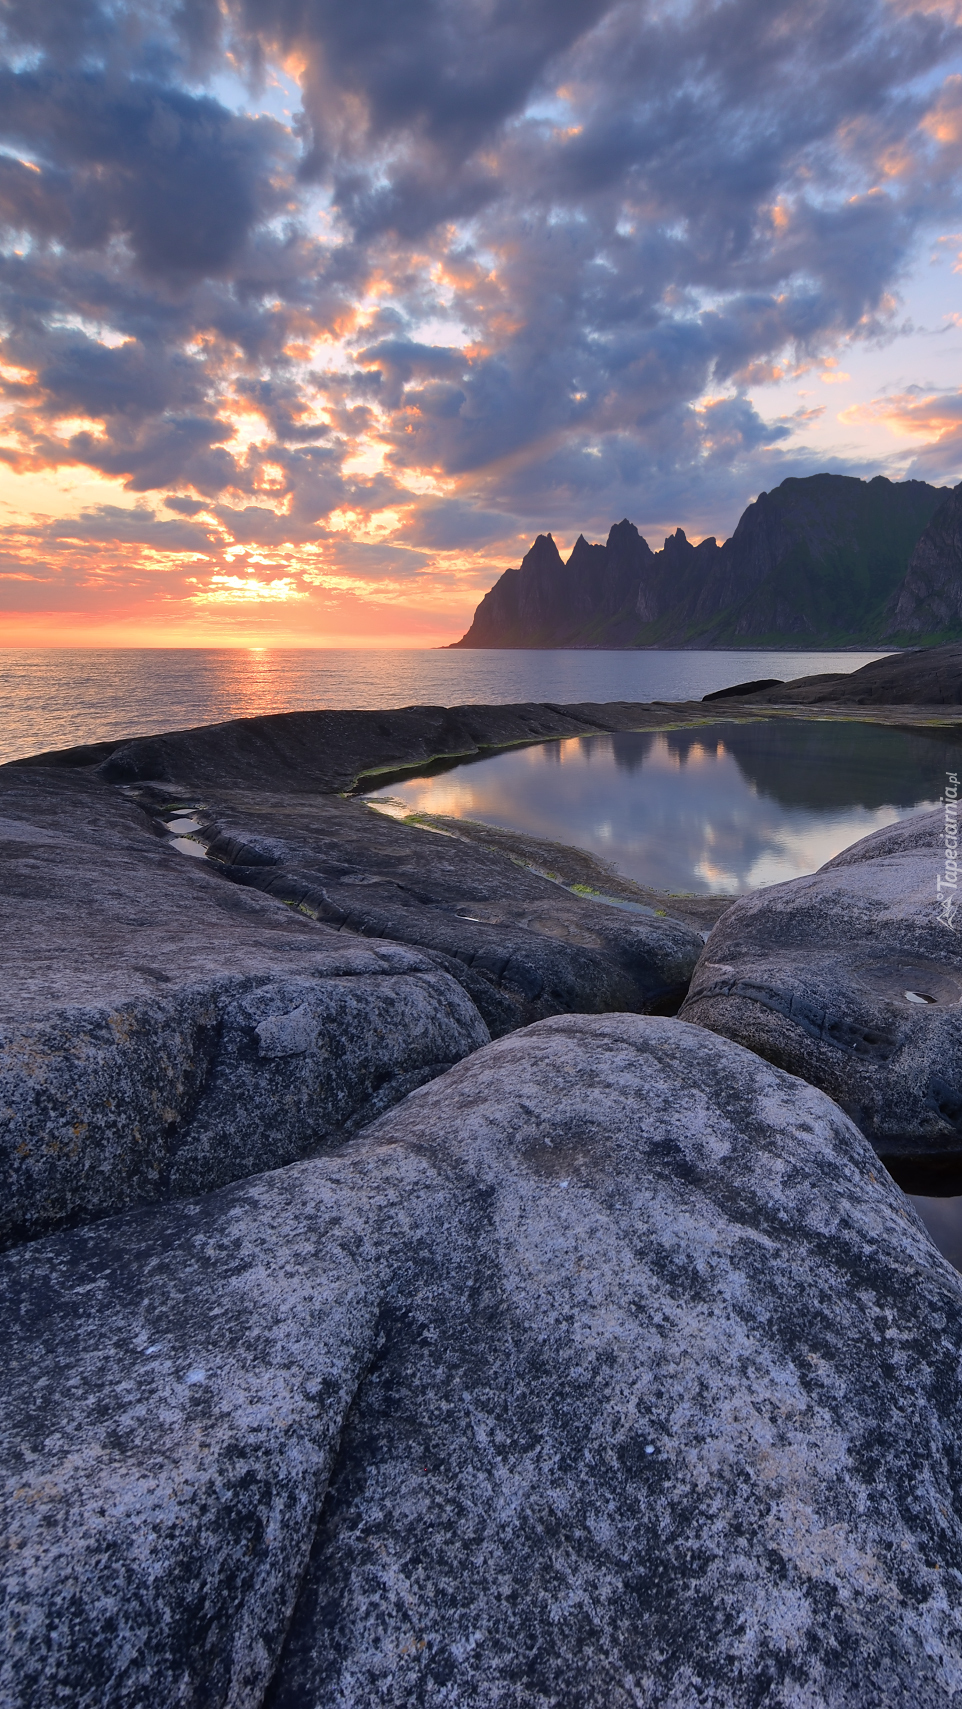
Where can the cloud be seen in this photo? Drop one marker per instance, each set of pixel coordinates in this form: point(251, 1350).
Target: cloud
point(929, 415)
point(177, 176)
point(135, 527)
point(447, 525)
point(428, 84)
point(233, 589)
point(439, 273)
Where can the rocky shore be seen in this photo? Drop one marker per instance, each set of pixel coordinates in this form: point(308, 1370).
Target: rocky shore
point(406, 1304)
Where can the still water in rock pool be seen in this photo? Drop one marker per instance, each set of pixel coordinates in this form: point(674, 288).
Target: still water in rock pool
point(716, 810)
point(722, 809)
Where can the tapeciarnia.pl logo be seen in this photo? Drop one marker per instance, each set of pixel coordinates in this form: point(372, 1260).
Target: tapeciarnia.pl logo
point(946, 884)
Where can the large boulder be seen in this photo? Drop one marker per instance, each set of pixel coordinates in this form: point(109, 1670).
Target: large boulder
point(605, 1369)
point(163, 1032)
point(852, 979)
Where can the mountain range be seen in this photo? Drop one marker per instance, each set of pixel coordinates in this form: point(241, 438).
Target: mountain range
point(822, 561)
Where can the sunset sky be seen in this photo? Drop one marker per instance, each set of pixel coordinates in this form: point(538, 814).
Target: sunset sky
point(314, 313)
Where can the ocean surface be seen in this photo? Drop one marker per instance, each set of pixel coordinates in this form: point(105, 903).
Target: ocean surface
point(57, 698)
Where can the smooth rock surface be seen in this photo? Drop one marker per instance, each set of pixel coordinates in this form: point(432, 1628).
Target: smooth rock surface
point(815, 975)
point(740, 689)
point(165, 1028)
point(329, 750)
point(604, 1370)
point(163, 1032)
point(279, 777)
point(922, 676)
point(524, 947)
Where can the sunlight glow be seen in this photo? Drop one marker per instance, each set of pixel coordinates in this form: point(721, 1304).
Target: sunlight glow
point(227, 590)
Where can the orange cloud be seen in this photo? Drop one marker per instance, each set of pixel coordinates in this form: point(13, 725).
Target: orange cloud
point(912, 416)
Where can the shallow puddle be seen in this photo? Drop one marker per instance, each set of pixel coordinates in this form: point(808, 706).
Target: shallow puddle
point(185, 829)
point(934, 1186)
point(187, 846)
point(943, 1219)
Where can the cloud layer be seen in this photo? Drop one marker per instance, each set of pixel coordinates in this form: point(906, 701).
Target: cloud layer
point(343, 303)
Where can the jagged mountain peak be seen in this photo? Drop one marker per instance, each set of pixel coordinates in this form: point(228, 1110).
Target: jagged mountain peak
point(821, 560)
point(544, 548)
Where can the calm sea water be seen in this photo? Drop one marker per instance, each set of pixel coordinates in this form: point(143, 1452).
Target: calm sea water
point(718, 810)
point(59, 697)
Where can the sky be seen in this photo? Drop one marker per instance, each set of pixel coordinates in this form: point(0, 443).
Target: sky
point(315, 313)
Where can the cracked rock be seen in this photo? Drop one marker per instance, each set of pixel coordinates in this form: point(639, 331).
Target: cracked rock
point(162, 1032)
point(606, 1369)
point(852, 979)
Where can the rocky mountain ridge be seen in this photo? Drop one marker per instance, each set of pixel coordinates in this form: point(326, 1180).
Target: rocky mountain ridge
point(823, 561)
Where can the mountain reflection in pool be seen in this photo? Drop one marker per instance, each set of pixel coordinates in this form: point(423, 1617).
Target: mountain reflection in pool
point(721, 808)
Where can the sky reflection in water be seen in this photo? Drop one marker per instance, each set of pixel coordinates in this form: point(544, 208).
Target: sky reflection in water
point(721, 809)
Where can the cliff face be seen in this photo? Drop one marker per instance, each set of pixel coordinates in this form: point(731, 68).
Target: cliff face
point(550, 603)
point(817, 559)
point(929, 602)
point(820, 561)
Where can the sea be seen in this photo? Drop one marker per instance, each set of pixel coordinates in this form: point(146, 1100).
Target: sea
point(60, 697)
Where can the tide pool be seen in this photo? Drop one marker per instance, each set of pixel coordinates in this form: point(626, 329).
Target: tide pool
point(719, 809)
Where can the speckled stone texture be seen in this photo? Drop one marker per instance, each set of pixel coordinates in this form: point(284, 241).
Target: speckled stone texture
point(814, 975)
point(608, 1369)
point(525, 948)
point(164, 1029)
point(163, 1032)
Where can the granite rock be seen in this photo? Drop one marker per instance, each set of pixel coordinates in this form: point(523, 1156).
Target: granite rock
point(329, 749)
point(169, 1024)
point(163, 1032)
point(852, 979)
point(524, 947)
point(605, 1369)
point(921, 676)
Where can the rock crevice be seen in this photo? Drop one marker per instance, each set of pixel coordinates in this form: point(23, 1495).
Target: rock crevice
point(852, 979)
point(603, 1369)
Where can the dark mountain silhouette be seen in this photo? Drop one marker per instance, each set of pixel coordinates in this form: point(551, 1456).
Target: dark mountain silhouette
point(929, 602)
point(823, 561)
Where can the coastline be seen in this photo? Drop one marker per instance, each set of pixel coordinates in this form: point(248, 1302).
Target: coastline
point(357, 1177)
